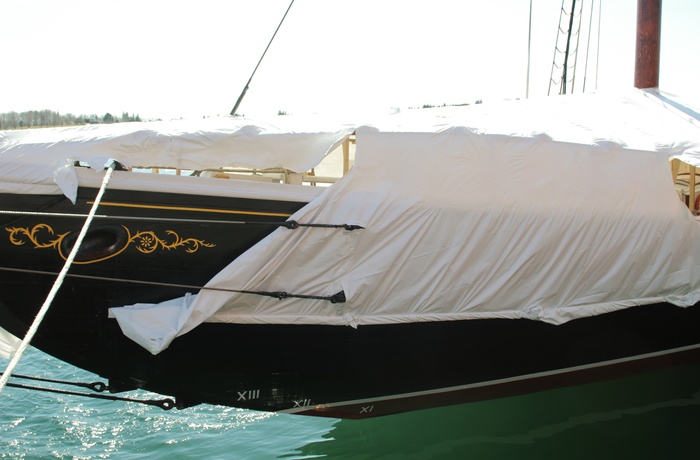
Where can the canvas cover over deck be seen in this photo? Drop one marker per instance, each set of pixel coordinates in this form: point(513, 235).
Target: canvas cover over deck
point(40, 161)
point(546, 210)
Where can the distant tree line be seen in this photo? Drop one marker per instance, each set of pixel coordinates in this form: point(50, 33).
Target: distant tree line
point(48, 118)
point(430, 106)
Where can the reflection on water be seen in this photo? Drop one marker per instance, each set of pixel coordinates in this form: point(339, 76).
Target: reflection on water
point(47, 425)
point(651, 416)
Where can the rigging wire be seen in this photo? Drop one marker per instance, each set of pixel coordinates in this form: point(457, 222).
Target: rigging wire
point(575, 18)
point(588, 47)
point(59, 281)
point(165, 404)
point(562, 89)
point(576, 50)
point(571, 51)
point(245, 89)
point(529, 47)
point(98, 387)
point(597, 55)
point(290, 224)
point(556, 49)
point(338, 297)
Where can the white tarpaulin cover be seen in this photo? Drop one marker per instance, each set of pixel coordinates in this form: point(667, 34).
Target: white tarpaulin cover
point(549, 210)
point(8, 344)
point(40, 161)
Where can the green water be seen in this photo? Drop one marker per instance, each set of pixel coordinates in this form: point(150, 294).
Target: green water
point(656, 415)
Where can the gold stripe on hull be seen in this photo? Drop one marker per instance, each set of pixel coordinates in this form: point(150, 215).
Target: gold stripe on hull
point(183, 208)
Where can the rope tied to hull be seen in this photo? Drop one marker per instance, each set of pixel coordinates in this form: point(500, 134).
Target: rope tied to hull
point(59, 281)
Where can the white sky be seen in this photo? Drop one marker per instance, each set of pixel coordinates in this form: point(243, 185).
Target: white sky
point(172, 58)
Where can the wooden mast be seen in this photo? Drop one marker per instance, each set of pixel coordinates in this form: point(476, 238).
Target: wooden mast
point(646, 72)
point(646, 69)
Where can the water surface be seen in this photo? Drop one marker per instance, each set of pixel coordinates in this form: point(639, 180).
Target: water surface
point(655, 415)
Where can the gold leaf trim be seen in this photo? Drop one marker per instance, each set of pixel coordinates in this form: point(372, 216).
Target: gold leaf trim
point(42, 236)
point(33, 236)
point(147, 242)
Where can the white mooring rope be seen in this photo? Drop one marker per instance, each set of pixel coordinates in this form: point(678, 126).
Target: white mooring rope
point(57, 284)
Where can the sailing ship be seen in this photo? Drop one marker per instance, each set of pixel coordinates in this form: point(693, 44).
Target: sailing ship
point(469, 253)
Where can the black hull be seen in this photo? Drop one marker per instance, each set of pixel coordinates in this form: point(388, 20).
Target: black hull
point(378, 370)
point(334, 371)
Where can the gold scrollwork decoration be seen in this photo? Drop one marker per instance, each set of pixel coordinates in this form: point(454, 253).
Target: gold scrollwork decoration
point(42, 236)
point(34, 235)
point(147, 242)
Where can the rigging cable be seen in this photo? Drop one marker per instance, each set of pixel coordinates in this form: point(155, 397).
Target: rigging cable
point(588, 46)
point(597, 54)
point(529, 47)
point(338, 297)
point(59, 281)
point(99, 387)
point(556, 49)
point(290, 224)
point(562, 90)
point(576, 49)
point(574, 19)
point(245, 89)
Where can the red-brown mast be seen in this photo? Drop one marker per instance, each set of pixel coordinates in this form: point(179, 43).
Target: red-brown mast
point(646, 68)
